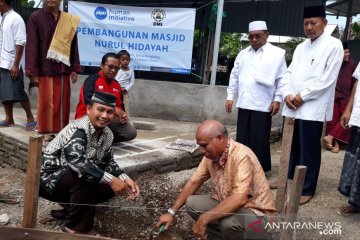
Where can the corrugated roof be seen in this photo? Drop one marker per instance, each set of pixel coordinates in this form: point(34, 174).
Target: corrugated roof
point(340, 7)
point(282, 17)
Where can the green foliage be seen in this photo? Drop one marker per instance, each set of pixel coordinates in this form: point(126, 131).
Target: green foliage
point(230, 44)
point(196, 38)
point(213, 16)
point(27, 3)
point(355, 31)
point(290, 46)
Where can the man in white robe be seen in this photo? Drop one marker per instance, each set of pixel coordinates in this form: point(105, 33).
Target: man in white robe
point(349, 184)
point(254, 79)
point(308, 88)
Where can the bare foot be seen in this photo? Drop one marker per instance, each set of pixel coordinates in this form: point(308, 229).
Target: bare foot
point(47, 139)
point(92, 232)
point(347, 210)
point(336, 147)
point(328, 142)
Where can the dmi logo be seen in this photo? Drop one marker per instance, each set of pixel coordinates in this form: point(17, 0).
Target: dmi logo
point(100, 13)
point(158, 15)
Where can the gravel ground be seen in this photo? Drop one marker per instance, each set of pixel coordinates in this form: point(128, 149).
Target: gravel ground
point(122, 219)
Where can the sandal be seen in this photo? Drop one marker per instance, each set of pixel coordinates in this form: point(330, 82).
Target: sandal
point(31, 126)
point(4, 198)
point(347, 211)
point(6, 124)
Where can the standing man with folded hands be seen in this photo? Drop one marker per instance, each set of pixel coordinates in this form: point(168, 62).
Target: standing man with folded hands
point(308, 91)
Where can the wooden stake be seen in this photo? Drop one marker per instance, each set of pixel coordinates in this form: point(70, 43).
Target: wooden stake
point(294, 201)
point(32, 182)
point(284, 163)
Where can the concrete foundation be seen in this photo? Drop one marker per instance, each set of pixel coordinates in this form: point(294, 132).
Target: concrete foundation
point(156, 101)
point(171, 101)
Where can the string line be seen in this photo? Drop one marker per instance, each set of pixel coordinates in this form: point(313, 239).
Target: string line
point(125, 208)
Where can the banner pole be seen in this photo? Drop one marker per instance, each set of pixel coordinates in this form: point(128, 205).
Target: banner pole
point(216, 42)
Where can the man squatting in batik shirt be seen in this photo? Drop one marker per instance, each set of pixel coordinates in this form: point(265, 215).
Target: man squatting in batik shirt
point(78, 167)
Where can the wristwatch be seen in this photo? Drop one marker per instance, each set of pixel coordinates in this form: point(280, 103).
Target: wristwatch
point(171, 211)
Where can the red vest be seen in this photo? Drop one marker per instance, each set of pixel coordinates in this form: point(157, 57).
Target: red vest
point(97, 82)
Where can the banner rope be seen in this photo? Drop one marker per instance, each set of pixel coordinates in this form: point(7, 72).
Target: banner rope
point(206, 4)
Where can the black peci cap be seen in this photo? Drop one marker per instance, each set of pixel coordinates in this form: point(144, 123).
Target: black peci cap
point(314, 11)
point(104, 98)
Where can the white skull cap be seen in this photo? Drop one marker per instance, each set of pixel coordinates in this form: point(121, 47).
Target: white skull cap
point(257, 25)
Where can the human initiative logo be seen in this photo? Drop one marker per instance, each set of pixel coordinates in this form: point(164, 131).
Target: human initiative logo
point(100, 13)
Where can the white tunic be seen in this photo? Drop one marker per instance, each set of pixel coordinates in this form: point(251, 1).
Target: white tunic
point(125, 78)
point(313, 73)
point(255, 77)
point(355, 113)
point(13, 33)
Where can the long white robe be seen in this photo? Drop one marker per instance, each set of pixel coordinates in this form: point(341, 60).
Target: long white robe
point(313, 73)
point(255, 76)
point(355, 113)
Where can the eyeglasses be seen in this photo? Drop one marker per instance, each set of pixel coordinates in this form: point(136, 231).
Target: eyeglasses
point(257, 36)
point(111, 67)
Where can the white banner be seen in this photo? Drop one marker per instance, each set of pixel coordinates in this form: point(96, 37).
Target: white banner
point(158, 39)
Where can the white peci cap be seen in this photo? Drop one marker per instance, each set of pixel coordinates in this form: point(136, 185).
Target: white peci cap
point(257, 25)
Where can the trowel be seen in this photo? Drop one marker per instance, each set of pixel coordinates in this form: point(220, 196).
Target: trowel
point(165, 235)
point(157, 235)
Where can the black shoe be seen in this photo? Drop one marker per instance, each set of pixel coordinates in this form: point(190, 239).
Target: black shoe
point(59, 214)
